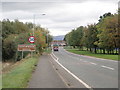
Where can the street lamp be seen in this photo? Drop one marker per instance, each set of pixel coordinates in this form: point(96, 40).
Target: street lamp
point(34, 21)
point(34, 27)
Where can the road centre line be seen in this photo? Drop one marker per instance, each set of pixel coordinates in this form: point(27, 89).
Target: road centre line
point(101, 65)
point(85, 61)
point(93, 63)
point(86, 85)
point(90, 62)
point(107, 67)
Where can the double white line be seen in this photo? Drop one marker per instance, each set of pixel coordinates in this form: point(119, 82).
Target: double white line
point(56, 59)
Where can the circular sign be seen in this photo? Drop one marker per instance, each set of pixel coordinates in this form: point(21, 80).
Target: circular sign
point(31, 39)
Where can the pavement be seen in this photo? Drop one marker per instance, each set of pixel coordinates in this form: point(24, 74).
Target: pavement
point(45, 75)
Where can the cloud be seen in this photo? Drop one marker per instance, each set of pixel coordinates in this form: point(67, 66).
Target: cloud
point(56, 0)
point(61, 16)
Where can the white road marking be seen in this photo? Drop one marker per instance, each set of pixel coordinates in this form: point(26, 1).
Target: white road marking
point(59, 74)
point(96, 58)
point(86, 85)
point(107, 67)
point(93, 63)
point(54, 56)
point(85, 61)
point(90, 62)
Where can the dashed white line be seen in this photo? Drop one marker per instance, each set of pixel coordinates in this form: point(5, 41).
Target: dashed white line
point(93, 63)
point(90, 62)
point(85, 61)
point(107, 67)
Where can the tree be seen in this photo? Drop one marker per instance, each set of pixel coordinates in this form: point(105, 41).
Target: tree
point(15, 33)
point(92, 34)
point(108, 33)
point(8, 47)
point(74, 37)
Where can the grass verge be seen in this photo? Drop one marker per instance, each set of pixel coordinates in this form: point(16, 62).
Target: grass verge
point(19, 76)
point(48, 50)
point(105, 56)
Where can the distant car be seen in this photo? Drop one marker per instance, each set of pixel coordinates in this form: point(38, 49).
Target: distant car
point(55, 47)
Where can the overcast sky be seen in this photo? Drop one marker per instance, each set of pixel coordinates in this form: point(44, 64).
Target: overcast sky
point(61, 16)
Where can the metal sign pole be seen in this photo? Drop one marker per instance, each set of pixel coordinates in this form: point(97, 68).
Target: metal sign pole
point(31, 54)
point(16, 56)
point(22, 54)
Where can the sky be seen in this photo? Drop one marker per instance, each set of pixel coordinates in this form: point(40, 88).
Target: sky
point(61, 16)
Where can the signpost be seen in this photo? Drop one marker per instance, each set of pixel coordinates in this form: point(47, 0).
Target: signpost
point(31, 39)
point(26, 47)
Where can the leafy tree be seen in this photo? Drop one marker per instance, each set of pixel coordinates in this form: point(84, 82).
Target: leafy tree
point(108, 33)
point(92, 37)
point(8, 47)
point(15, 33)
point(85, 37)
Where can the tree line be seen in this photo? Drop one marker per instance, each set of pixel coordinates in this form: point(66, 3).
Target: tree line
point(16, 32)
point(103, 36)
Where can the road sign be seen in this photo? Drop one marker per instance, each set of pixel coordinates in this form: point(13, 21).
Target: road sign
point(25, 47)
point(31, 39)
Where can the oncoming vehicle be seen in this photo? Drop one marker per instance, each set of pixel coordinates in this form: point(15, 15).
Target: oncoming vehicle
point(55, 47)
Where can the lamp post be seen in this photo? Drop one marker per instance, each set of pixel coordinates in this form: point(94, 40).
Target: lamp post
point(47, 41)
point(34, 28)
point(34, 21)
point(34, 25)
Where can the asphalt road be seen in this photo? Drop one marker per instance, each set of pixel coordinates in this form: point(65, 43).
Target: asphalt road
point(62, 69)
point(91, 72)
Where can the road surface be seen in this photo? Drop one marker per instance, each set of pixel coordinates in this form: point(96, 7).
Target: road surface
point(95, 72)
point(63, 69)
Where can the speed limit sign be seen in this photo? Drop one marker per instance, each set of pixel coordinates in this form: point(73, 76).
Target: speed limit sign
point(31, 39)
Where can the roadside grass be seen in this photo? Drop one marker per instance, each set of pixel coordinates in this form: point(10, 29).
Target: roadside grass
point(48, 50)
point(105, 56)
point(18, 77)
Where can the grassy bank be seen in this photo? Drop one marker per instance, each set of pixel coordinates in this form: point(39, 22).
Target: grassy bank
point(19, 76)
point(105, 56)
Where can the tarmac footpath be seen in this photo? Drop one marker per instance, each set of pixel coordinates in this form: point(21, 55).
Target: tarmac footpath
point(45, 75)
